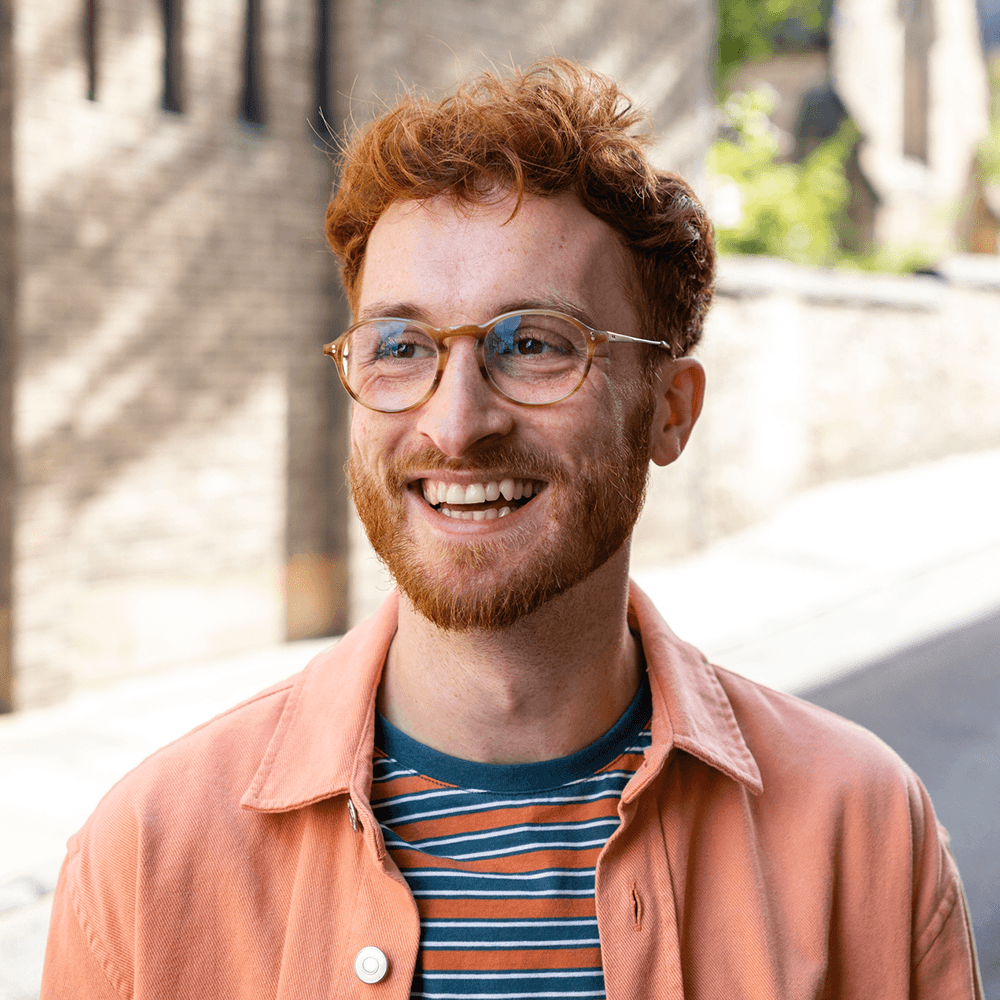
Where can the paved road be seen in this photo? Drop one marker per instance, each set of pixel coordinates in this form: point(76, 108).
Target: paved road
point(938, 706)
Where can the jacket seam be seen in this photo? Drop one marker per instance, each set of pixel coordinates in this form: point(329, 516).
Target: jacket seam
point(90, 936)
point(939, 919)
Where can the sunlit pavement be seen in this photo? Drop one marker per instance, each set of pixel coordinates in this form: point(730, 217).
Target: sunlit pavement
point(877, 598)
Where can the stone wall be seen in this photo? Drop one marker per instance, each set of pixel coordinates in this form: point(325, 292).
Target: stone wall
point(913, 77)
point(173, 442)
point(822, 375)
point(8, 350)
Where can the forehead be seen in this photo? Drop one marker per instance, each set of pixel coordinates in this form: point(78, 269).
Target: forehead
point(456, 263)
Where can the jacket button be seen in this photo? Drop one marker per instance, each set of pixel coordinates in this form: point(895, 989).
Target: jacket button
point(370, 965)
point(352, 814)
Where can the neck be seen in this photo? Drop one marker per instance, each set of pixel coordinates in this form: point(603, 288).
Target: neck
point(544, 688)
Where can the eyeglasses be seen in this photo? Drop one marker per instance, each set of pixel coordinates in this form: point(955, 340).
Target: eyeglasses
point(535, 357)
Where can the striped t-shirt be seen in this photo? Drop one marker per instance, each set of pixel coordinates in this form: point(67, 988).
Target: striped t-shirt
point(501, 860)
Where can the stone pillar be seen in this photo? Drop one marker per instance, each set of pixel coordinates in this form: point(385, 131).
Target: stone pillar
point(8, 342)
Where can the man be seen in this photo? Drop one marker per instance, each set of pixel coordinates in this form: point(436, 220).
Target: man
point(514, 780)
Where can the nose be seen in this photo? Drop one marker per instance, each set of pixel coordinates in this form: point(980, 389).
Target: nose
point(464, 411)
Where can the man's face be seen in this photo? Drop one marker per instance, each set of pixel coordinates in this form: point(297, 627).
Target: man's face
point(570, 476)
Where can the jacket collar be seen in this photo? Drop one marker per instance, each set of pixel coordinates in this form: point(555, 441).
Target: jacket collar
point(322, 745)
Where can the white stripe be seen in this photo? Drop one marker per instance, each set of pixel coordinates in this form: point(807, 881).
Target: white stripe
point(388, 775)
point(502, 996)
point(578, 922)
point(526, 848)
point(487, 894)
point(600, 776)
point(501, 804)
point(450, 873)
point(527, 974)
point(503, 945)
point(508, 831)
point(396, 800)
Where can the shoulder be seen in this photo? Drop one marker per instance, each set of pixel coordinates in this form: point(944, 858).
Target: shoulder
point(840, 804)
point(189, 790)
point(801, 745)
point(834, 784)
point(172, 824)
point(213, 760)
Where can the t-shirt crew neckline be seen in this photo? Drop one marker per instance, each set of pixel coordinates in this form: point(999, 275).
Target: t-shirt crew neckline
point(513, 778)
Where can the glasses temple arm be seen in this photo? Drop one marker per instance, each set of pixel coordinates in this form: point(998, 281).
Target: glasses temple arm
point(616, 337)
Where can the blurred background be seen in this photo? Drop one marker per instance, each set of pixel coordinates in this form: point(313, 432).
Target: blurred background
point(172, 439)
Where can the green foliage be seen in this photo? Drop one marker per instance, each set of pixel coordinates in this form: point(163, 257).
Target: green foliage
point(747, 29)
point(989, 149)
point(789, 210)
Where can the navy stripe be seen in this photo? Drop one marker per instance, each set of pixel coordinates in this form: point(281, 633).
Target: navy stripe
point(499, 934)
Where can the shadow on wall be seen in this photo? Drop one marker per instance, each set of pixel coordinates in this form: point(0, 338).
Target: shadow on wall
point(176, 429)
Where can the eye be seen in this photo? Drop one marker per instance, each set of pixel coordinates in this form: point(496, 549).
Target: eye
point(533, 345)
point(396, 342)
point(532, 336)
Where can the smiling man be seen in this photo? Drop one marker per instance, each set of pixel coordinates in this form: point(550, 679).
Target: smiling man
point(514, 781)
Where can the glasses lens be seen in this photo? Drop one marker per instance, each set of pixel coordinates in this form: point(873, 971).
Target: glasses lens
point(389, 363)
point(536, 358)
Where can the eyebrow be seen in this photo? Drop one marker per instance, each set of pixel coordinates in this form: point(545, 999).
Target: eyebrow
point(407, 310)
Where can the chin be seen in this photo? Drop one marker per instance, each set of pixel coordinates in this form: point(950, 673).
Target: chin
point(491, 585)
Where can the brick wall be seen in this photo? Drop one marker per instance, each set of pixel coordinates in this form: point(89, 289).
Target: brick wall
point(173, 429)
point(8, 272)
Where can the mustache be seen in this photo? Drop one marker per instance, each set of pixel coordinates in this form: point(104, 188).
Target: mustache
point(500, 458)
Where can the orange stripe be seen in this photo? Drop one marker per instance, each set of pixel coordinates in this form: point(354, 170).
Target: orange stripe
point(408, 784)
point(515, 864)
point(447, 826)
point(538, 958)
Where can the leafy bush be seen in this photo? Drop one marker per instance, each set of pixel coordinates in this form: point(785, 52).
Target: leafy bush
point(989, 149)
point(789, 210)
point(749, 30)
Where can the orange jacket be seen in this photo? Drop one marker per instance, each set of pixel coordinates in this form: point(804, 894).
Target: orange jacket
point(767, 849)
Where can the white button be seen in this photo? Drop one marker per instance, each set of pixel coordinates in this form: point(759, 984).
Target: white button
point(370, 965)
point(353, 814)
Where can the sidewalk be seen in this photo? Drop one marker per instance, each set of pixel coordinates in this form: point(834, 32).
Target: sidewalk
point(837, 578)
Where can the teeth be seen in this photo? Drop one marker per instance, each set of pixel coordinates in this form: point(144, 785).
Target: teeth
point(476, 493)
point(504, 511)
point(490, 515)
point(479, 515)
point(439, 492)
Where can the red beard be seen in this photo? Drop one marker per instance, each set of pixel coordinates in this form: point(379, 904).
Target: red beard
point(593, 516)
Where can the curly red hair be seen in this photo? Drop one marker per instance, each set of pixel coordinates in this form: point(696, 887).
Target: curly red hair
point(555, 127)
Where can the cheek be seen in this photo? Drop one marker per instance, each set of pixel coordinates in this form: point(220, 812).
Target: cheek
point(369, 435)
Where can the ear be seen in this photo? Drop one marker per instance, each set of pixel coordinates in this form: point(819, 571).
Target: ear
point(680, 391)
